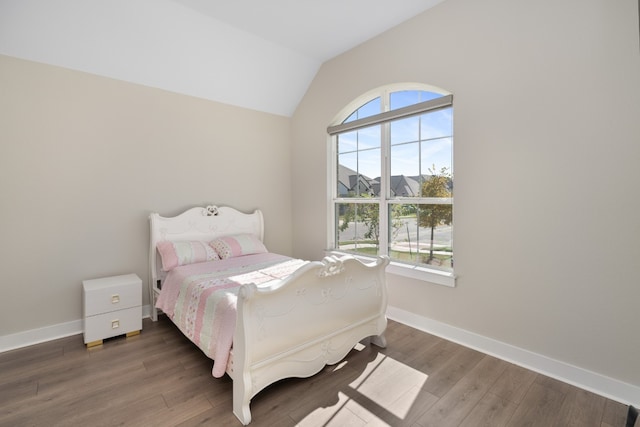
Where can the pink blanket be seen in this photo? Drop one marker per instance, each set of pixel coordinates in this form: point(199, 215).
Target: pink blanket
point(201, 298)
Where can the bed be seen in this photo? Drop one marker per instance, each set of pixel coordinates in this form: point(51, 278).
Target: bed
point(261, 317)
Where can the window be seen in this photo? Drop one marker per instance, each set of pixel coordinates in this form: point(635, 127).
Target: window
point(391, 185)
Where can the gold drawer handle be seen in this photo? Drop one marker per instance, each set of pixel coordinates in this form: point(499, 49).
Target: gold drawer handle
point(115, 324)
point(115, 298)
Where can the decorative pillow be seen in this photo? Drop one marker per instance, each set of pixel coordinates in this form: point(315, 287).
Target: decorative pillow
point(174, 254)
point(237, 245)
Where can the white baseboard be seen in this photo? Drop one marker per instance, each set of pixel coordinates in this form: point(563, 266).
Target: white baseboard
point(591, 381)
point(48, 333)
point(36, 336)
point(146, 311)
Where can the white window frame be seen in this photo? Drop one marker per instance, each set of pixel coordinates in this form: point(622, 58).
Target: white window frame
point(418, 272)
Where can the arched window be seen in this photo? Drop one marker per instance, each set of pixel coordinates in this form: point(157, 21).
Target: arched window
point(391, 185)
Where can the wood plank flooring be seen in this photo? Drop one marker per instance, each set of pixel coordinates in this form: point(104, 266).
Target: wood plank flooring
point(160, 379)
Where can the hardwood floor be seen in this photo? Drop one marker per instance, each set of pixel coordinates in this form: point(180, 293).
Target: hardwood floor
point(160, 379)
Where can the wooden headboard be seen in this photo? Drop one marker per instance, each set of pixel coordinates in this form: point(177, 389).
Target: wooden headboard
point(199, 223)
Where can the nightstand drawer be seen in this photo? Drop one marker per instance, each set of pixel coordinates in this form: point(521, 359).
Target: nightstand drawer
point(111, 293)
point(112, 324)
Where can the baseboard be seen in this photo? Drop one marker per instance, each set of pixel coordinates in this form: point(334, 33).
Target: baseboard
point(48, 333)
point(146, 311)
point(610, 388)
point(37, 336)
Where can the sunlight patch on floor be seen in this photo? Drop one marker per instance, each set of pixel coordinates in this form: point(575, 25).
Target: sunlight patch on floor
point(385, 384)
point(383, 394)
point(390, 384)
point(343, 413)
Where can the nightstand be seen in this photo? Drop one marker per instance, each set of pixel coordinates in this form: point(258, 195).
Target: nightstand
point(112, 306)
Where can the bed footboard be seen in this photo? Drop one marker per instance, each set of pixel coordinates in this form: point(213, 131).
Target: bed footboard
point(312, 319)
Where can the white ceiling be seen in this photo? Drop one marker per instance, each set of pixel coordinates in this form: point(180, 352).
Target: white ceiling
point(320, 29)
point(256, 54)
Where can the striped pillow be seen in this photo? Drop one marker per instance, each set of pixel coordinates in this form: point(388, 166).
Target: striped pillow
point(237, 245)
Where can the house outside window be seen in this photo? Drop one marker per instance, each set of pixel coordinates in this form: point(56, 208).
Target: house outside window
point(391, 180)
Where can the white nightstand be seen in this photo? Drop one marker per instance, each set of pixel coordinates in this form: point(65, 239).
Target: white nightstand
point(111, 306)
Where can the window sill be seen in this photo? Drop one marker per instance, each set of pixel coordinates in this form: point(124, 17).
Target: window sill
point(424, 274)
point(416, 272)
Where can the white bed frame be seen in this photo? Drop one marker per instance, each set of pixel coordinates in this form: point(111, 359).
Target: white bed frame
point(290, 329)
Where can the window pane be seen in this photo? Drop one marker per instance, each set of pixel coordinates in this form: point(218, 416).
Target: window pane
point(347, 142)
point(360, 139)
point(405, 170)
point(403, 233)
point(405, 158)
point(357, 227)
point(437, 124)
point(411, 238)
point(436, 154)
point(347, 174)
point(353, 184)
point(435, 235)
point(439, 184)
point(404, 98)
point(369, 109)
point(405, 130)
point(359, 163)
point(369, 165)
point(369, 137)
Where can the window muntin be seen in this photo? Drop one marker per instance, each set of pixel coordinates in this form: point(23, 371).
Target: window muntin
point(400, 180)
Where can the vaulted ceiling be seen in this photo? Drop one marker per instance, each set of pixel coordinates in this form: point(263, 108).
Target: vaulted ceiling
point(257, 54)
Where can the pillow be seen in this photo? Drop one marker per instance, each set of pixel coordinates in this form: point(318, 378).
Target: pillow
point(174, 254)
point(237, 245)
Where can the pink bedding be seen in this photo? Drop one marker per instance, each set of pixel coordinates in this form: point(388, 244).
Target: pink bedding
point(201, 298)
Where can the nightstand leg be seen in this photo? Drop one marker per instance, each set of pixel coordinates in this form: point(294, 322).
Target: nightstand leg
point(133, 334)
point(94, 343)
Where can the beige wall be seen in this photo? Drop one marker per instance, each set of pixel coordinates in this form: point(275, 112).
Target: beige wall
point(85, 159)
point(547, 182)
